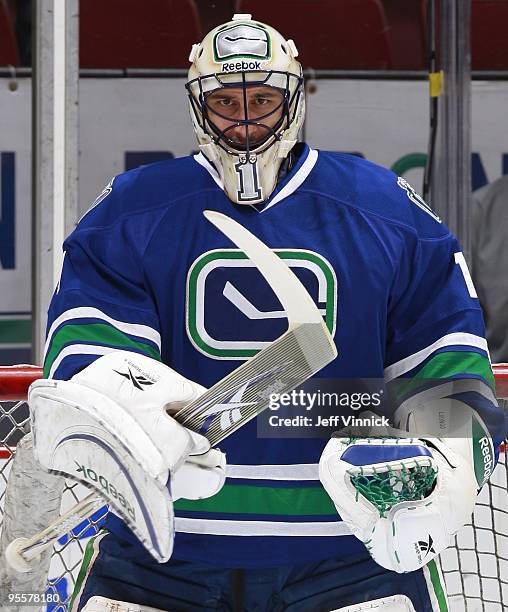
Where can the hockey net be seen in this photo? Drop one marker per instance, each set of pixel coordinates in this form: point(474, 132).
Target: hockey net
point(475, 569)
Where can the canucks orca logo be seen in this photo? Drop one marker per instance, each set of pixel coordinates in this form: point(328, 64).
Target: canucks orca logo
point(232, 312)
point(416, 198)
point(102, 196)
point(242, 41)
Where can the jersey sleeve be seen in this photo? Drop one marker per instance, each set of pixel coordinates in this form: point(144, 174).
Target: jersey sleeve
point(436, 333)
point(102, 302)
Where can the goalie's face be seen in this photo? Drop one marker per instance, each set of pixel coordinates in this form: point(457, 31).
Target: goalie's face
point(245, 117)
point(246, 103)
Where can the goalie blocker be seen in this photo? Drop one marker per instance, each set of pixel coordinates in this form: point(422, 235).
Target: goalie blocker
point(115, 434)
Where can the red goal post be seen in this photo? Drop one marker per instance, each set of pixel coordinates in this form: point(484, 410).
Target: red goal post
point(15, 380)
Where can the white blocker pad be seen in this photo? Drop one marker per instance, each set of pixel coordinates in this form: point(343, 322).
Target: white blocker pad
point(94, 440)
point(432, 413)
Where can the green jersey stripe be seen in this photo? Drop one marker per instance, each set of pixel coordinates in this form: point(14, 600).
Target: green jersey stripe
point(437, 585)
point(450, 363)
point(99, 334)
point(412, 361)
point(91, 552)
point(278, 501)
point(85, 312)
point(442, 366)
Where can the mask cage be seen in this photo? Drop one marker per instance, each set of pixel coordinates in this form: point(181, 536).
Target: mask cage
point(291, 86)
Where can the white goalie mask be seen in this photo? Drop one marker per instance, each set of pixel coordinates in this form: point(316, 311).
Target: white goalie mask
point(247, 104)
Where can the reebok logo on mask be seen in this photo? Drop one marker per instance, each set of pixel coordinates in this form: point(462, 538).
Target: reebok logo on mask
point(241, 66)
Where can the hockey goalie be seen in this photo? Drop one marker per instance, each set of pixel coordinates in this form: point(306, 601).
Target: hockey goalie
point(154, 305)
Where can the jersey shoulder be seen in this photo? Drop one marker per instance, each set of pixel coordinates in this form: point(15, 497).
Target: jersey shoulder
point(147, 191)
point(378, 192)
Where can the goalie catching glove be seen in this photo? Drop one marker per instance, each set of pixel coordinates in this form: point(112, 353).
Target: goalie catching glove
point(404, 498)
point(109, 427)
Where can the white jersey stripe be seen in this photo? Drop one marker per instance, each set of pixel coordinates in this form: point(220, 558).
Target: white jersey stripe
point(454, 339)
point(299, 471)
point(79, 349)
point(292, 185)
point(203, 161)
point(296, 180)
point(260, 528)
point(85, 312)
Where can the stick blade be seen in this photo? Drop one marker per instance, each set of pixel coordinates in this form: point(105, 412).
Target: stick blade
point(304, 349)
point(293, 296)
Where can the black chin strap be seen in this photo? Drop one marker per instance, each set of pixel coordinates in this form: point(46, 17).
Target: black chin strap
point(289, 163)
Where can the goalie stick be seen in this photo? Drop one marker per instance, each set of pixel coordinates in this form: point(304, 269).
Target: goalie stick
point(304, 349)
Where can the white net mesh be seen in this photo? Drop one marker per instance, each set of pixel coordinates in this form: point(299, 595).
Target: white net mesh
point(475, 570)
point(59, 578)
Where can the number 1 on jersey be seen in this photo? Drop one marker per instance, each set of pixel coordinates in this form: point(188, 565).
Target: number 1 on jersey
point(461, 261)
point(248, 182)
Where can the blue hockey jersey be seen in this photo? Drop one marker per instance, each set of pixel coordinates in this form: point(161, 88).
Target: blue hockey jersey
point(145, 271)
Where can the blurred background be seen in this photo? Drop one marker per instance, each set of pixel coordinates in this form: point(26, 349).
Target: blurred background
point(367, 65)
